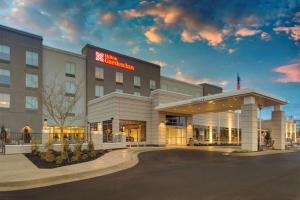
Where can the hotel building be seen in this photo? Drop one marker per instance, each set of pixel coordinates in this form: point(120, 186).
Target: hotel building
point(122, 94)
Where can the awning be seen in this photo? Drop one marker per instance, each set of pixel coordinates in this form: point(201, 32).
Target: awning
point(226, 101)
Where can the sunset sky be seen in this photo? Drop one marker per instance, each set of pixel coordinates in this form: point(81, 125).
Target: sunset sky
point(193, 40)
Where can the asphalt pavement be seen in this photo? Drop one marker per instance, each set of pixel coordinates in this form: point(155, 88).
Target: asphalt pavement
point(185, 174)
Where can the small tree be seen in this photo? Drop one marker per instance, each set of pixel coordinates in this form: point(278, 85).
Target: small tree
point(59, 103)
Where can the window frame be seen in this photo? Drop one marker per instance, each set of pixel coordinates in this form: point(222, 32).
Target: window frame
point(70, 92)
point(101, 87)
point(121, 77)
point(37, 80)
point(102, 73)
point(9, 76)
point(68, 69)
point(2, 47)
point(31, 108)
point(30, 58)
point(2, 99)
point(138, 79)
point(150, 84)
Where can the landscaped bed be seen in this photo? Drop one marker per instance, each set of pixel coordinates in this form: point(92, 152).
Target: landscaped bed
point(53, 159)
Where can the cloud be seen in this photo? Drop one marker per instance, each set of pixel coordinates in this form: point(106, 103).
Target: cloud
point(194, 80)
point(167, 15)
point(245, 32)
point(108, 18)
point(153, 36)
point(160, 63)
point(231, 51)
point(290, 73)
point(152, 50)
point(265, 36)
point(293, 32)
point(135, 50)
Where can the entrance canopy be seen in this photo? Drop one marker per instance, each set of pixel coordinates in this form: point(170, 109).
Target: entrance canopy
point(226, 101)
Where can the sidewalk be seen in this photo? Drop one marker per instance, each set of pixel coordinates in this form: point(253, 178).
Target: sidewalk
point(17, 172)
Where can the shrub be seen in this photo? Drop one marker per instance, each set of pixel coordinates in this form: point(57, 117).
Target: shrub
point(48, 156)
point(77, 152)
point(35, 147)
point(84, 156)
point(91, 150)
point(61, 158)
point(66, 148)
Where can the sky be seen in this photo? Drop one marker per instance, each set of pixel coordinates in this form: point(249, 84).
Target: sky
point(195, 41)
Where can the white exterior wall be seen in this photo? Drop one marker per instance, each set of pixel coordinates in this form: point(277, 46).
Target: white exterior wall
point(158, 130)
point(174, 85)
point(54, 61)
point(121, 106)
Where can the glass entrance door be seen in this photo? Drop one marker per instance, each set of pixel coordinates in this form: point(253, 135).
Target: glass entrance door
point(175, 136)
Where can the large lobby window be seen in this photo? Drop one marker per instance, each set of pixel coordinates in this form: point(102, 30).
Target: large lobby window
point(201, 133)
point(119, 77)
point(135, 130)
point(4, 100)
point(137, 81)
point(31, 103)
point(224, 135)
point(32, 58)
point(4, 52)
point(107, 131)
point(175, 120)
point(4, 77)
point(152, 85)
point(99, 91)
point(31, 80)
point(99, 73)
point(70, 69)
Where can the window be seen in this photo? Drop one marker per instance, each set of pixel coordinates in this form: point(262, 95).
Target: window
point(70, 69)
point(164, 86)
point(4, 52)
point(31, 103)
point(32, 58)
point(99, 73)
point(70, 87)
point(4, 100)
point(107, 131)
point(119, 90)
point(68, 106)
point(152, 85)
point(99, 91)
point(4, 77)
point(119, 77)
point(32, 81)
point(137, 93)
point(135, 130)
point(137, 81)
point(175, 120)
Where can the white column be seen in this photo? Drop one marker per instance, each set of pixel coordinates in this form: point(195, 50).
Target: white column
point(229, 135)
point(97, 136)
point(210, 134)
point(249, 124)
point(278, 126)
point(189, 129)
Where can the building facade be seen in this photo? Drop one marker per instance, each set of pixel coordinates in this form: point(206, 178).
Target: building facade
point(121, 94)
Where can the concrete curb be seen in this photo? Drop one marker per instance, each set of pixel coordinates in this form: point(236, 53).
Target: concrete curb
point(42, 182)
point(261, 153)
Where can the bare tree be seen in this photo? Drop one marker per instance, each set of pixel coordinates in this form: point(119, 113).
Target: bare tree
point(59, 103)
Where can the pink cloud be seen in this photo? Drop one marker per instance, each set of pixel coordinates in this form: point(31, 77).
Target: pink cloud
point(244, 32)
point(293, 31)
point(291, 73)
point(107, 18)
point(153, 36)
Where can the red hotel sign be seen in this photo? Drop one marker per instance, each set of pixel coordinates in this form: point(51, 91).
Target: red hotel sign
point(111, 60)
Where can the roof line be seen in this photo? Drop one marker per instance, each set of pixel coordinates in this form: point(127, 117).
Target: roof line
point(21, 32)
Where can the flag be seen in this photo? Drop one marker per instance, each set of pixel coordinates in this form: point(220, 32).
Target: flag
point(238, 85)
